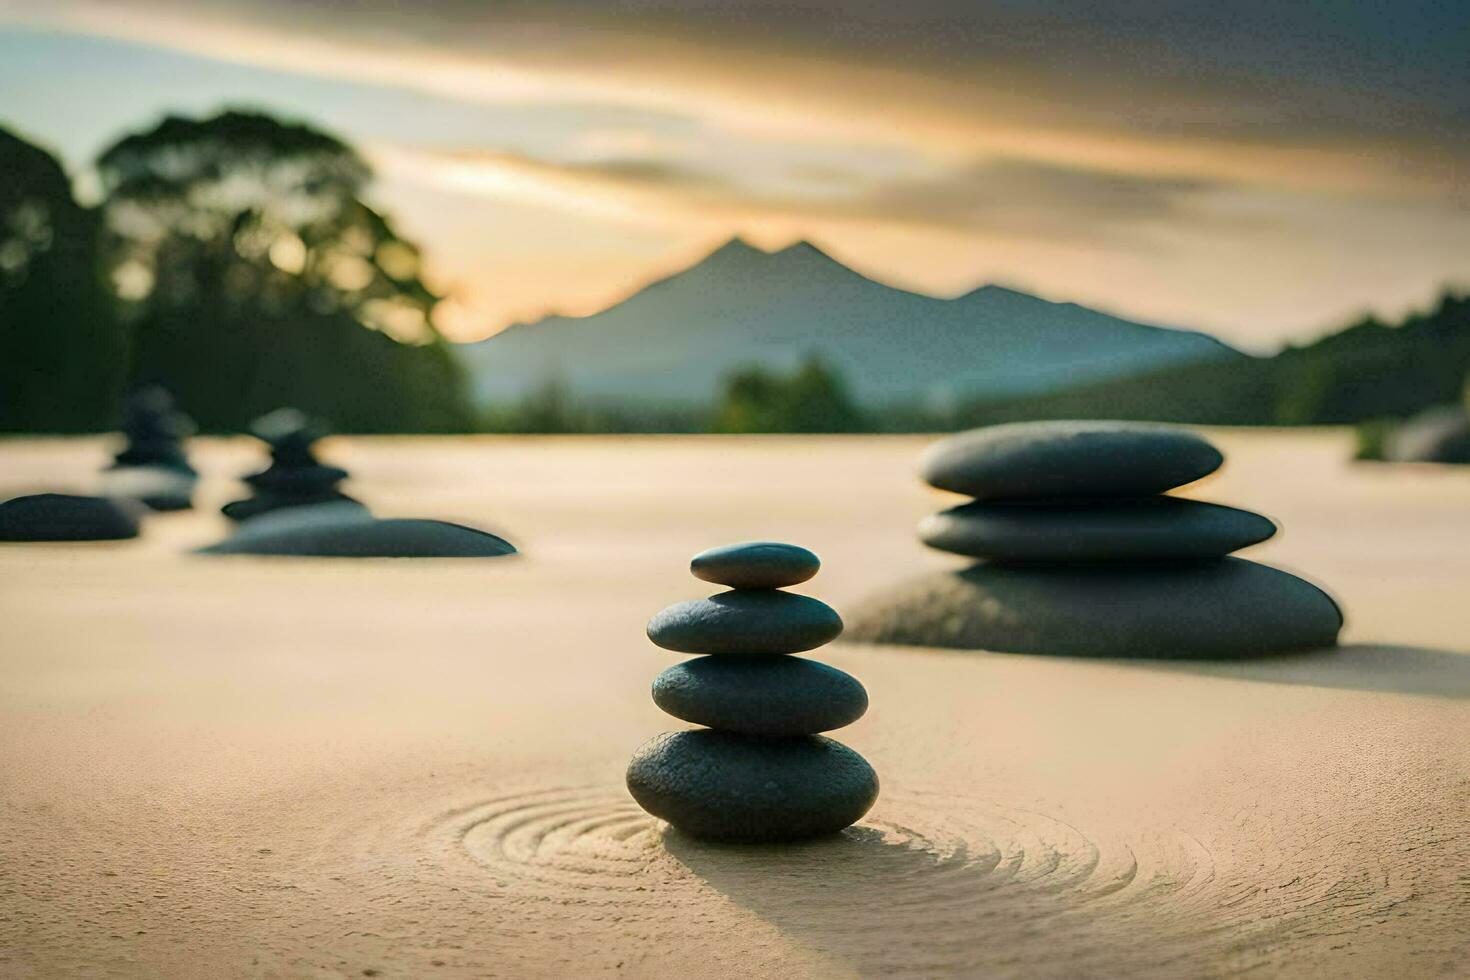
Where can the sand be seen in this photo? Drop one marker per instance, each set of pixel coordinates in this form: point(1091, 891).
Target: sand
point(228, 766)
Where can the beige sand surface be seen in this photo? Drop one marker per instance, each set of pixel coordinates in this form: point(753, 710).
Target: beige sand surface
point(222, 767)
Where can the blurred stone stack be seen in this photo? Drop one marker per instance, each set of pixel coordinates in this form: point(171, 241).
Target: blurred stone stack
point(1082, 553)
point(295, 477)
point(152, 467)
point(760, 771)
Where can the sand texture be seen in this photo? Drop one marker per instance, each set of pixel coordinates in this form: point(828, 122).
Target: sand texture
point(218, 766)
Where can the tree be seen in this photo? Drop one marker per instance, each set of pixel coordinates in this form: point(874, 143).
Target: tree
point(813, 399)
point(749, 402)
point(254, 275)
point(818, 400)
point(61, 349)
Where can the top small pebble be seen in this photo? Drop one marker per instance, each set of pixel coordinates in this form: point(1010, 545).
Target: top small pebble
point(755, 565)
point(1068, 460)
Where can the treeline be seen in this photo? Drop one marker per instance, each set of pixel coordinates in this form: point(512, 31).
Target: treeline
point(1370, 370)
point(232, 260)
point(812, 398)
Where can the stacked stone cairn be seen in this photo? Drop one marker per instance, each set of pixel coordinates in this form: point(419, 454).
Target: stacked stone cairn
point(297, 510)
point(295, 477)
point(152, 467)
point(759, 772)
point(1082, 553)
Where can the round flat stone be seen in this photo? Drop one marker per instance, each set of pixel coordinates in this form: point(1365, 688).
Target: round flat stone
point(761, 695)
point(728, 787)
point(65, 517)
point(297, 479)
point(1039, 460)
point(747, 622)
point(755, 565)
point(1127, 529)
point(347, 530)
point(1221, 608)
point(269, 503)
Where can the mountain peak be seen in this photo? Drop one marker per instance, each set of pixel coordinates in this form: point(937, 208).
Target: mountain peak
point(739, 247)
point(735, 249)
point(801, 247)
point(994, 290)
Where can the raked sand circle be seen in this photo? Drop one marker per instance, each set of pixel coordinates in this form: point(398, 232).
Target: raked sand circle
point(930, 881)
point(950, 862)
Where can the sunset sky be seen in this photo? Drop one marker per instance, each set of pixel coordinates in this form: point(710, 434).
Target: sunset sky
point(1262, 170)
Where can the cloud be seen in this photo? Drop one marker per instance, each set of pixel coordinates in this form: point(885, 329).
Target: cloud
point(995, 196)
point(1291, 72)
point(1036, 199)
point(1344, 97)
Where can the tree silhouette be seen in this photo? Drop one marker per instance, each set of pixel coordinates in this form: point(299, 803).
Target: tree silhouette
point(254, 275)
point(813, 399)
point(61, 350)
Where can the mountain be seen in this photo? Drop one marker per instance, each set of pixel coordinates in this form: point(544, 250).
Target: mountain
point(673, 341)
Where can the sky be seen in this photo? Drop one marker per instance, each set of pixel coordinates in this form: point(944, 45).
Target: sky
point(1262, 170)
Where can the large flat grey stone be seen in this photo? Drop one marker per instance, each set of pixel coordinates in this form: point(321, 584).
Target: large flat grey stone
point(339, 530)
point(1226, 607)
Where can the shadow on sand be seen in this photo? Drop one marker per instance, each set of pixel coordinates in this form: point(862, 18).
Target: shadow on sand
point(863, 897)
point(1352, 667)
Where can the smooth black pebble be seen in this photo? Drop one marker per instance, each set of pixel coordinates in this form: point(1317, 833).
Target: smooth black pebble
point(746, 621)
point(728, 787)
point(1068, 459)
point(1129, 529)
point(761, 695)
point(755, 565)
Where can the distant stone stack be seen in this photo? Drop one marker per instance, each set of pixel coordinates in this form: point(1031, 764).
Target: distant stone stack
point(760, 771)
point(1082, 554)
point(295, 477)
point(152, 467)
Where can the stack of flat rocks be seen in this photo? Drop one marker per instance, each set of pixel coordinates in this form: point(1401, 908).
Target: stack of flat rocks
point(297, 510)
point(760, 771)
point(1081, 553)
point(295, 477)
point(152, 468)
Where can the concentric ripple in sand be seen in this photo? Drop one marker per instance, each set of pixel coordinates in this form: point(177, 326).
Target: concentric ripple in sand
point(939, 865)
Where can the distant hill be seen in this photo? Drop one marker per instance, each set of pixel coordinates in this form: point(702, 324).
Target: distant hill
point(1369, 370)
point(675, 340)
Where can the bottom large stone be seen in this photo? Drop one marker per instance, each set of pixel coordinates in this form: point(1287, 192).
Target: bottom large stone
point(65, 517)
point(727, 787)
point(1224, 608)
point(346, 530)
